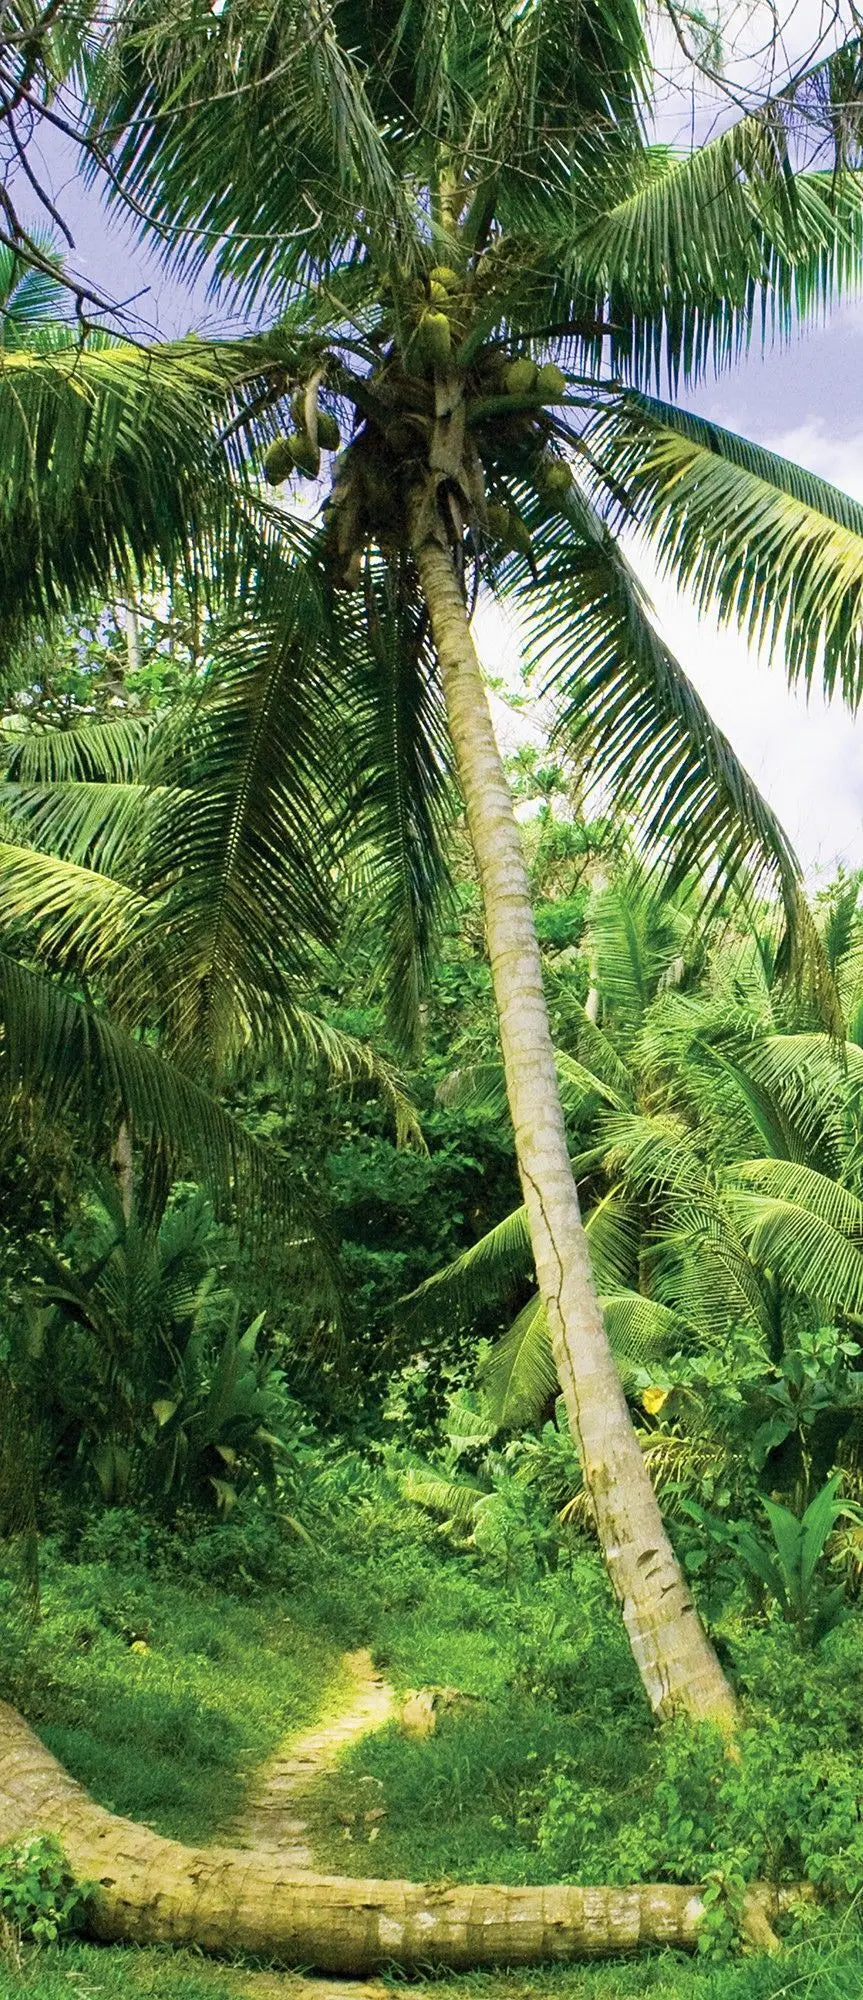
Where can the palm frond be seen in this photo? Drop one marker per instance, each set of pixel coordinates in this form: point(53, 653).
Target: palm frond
point(492, 1268)
point(242, 847)
point(402, 802)
point(181, 112)
point(518, 1376)
point(95, 753)
point(702, 250)
point(788, 1127)
point(612, 1231)
point(766, 545)
point(475, 1087)
point(98, 825)
point(85, 1071)
point(644, 738)
point(810, 1256)
point(790, 1181)
point(113, 461)
point(806, 1078)
point(455, 1498)
point(76, 919)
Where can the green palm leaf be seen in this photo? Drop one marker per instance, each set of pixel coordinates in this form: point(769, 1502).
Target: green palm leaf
point(87, 1072)
point(807, 1252)
point(273, 87)
point(242, 845)
point(789, 1181)
point(402, 802)
point(705, 248)
point(766, 545)
point(491, 1269)
point(628, 712)
point(456, 1498)
point(518, 1375)
point(78, 921)
point(112, 462)
point(94, 753)
point(98, 825)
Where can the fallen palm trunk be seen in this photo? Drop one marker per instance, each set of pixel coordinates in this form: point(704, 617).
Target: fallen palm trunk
point(155, 1891)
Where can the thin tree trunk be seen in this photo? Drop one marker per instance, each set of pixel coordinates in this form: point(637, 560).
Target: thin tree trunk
point(133, 640)
point(123, 1167)
point(677, 1664)
point(154, 1891)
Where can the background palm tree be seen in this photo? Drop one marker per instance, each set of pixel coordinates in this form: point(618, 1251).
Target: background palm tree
point(719, 1150)
point(467, 247)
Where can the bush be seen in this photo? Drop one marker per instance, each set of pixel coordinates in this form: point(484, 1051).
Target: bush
point(39, 1897)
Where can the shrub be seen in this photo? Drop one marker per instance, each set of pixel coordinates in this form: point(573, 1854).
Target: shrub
point(39, 1897)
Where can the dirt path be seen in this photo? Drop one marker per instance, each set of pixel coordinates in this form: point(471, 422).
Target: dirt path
point(272, 1820)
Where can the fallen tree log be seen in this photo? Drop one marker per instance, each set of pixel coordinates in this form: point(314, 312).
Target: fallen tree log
point(156, 1891)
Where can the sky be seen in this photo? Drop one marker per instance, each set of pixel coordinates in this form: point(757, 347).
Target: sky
point(804, 400)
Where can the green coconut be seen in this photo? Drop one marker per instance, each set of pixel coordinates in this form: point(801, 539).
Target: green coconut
point(443, 274)
point(550, 380)
point(305, 457)
point(436, 338)
point(554, 479)
point(438, 294)
point(498, 522)
point(518, 534)
point(520, 377)
point(329, 435)
point(278, 462)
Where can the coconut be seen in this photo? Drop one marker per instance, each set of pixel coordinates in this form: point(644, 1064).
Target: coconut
point(438, 294)
point(305, 457)
point(520, 377)
point(551, 381)
point(498, 522)
point(329, 435)
point(518, 534)
point(436, 338)
point(554, 478)
point(278, 462)
point(443, 274)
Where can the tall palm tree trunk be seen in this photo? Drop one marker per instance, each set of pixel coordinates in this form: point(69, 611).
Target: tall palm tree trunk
point(677, 1664)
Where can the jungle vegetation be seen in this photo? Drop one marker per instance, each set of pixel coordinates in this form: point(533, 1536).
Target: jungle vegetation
point(399, 1139)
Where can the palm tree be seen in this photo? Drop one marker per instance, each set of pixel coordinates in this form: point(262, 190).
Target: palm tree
point(467, 250)
point(721, 1155)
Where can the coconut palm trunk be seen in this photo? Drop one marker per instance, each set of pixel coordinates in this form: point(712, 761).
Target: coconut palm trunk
point(678, 1666)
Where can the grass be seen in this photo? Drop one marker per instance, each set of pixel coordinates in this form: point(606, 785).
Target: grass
point(547, 1682)
point(162, 1699)
point(831, 1970)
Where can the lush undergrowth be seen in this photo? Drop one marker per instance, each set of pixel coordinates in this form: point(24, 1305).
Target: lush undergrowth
point(162, 1687)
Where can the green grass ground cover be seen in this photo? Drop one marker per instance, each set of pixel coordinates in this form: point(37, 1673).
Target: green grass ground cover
point(832, 1969)
point(162, 1699)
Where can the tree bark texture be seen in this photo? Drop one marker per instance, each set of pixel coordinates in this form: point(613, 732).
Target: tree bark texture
point(155, 1891)
point(677, 1664)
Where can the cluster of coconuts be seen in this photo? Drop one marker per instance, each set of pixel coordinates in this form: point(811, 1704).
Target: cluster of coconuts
point(298, 451)
point(523, 380)
point(437, 300)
